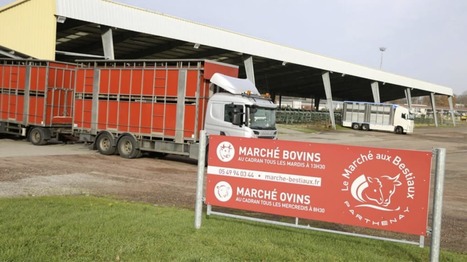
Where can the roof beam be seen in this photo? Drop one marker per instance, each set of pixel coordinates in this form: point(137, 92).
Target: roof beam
point(156, 49)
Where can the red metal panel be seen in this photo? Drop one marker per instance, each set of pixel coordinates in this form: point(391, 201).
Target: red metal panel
point(84, 80)
point(83, 113)
point(62, 77)
point(149, 82)
point(36, 110)
point(3, 106)
point(7, 107)
point(211, 67)
point(191, 83)
point(146, 116)
point(136, 82)
point(49, 81)
point(135, 114)
point(38, 78)
point(12, 77)
point(103, 120)
point(104, 84)
point(19, 107)
point(112, 114)
point(60, 84)
point(109, 81)
point(123, 116)
point(12, 85)
point(189, 125)
point(57, 108)
point(170, 119)
point(15, 107)
point(158, 118)
point(172, 82)
point(120, 81)
point(160, 82)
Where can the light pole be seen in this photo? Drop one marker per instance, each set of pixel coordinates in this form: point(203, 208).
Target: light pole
point(382, 49)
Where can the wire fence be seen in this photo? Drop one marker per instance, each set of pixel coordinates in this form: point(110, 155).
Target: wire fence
point(299, 116)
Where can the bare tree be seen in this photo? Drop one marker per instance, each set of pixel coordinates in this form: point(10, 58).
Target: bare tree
point(462, 99)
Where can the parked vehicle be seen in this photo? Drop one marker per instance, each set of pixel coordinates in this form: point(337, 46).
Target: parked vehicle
point(375, 116)
point(36, 99)
point(130, 107)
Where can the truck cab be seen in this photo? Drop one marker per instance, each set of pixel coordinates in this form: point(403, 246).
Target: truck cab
point(238, 109)
point(403, 120)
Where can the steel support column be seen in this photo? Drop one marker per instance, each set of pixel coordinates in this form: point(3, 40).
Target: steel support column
point(327, 90)
point(375, 90)
point(108, 44)
point(451, 109)
point(408, 97)
point(249, 69)
point(433, 107)
point(10, 55)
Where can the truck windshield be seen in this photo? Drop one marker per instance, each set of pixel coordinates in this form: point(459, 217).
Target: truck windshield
point(262, 118)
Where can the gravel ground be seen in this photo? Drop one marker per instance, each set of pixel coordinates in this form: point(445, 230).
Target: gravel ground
point(59, 169)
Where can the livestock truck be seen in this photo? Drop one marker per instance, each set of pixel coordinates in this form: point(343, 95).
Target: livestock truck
point(130, 107)
point(376, 116)
point(36, 99)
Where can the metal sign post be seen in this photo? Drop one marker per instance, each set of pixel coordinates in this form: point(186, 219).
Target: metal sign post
point(200, 185)
point(440, 154)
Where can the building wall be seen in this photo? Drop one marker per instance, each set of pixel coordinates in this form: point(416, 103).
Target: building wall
point(29, 27)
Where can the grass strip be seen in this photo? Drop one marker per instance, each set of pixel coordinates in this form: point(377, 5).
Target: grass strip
point(86, 228)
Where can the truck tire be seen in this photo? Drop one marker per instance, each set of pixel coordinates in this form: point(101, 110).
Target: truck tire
point(355, 126)
point(37, 136)
point(105, 144)
point(127, 147)
point(399, 130)
point(365, 127)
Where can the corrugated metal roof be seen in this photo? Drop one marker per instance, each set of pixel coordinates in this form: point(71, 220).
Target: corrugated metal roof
point(153, 23)
point(144, 34)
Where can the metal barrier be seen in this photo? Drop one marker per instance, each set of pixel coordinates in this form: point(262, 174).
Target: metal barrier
point(299, 116)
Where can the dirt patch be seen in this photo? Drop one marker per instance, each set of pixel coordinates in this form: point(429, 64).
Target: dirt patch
point(27, 170)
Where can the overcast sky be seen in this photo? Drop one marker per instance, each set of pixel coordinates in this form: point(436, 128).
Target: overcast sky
point(424, 39)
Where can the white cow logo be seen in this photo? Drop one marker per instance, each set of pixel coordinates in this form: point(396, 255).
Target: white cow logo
point(223, 191)
point(225, 151)
point(375, 191)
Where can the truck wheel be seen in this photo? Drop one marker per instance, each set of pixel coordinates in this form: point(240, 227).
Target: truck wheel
point(127, 147)
point(355, 126)
point(365, 127)
point(104, 144)
point(37, 136)
point(399, 130)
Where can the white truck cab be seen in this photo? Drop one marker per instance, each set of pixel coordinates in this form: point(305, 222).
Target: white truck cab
point(240, 110)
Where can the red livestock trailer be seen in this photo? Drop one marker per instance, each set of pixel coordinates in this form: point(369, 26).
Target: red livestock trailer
point(128, 107)
point(36, 99)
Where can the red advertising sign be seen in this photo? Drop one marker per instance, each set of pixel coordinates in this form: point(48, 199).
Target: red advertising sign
point(377, 188)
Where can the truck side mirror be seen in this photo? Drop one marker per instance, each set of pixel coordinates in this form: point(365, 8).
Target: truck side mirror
point(237, 116)
point(234, 114)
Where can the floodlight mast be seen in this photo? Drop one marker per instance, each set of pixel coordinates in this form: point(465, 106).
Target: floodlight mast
point(382, 49)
